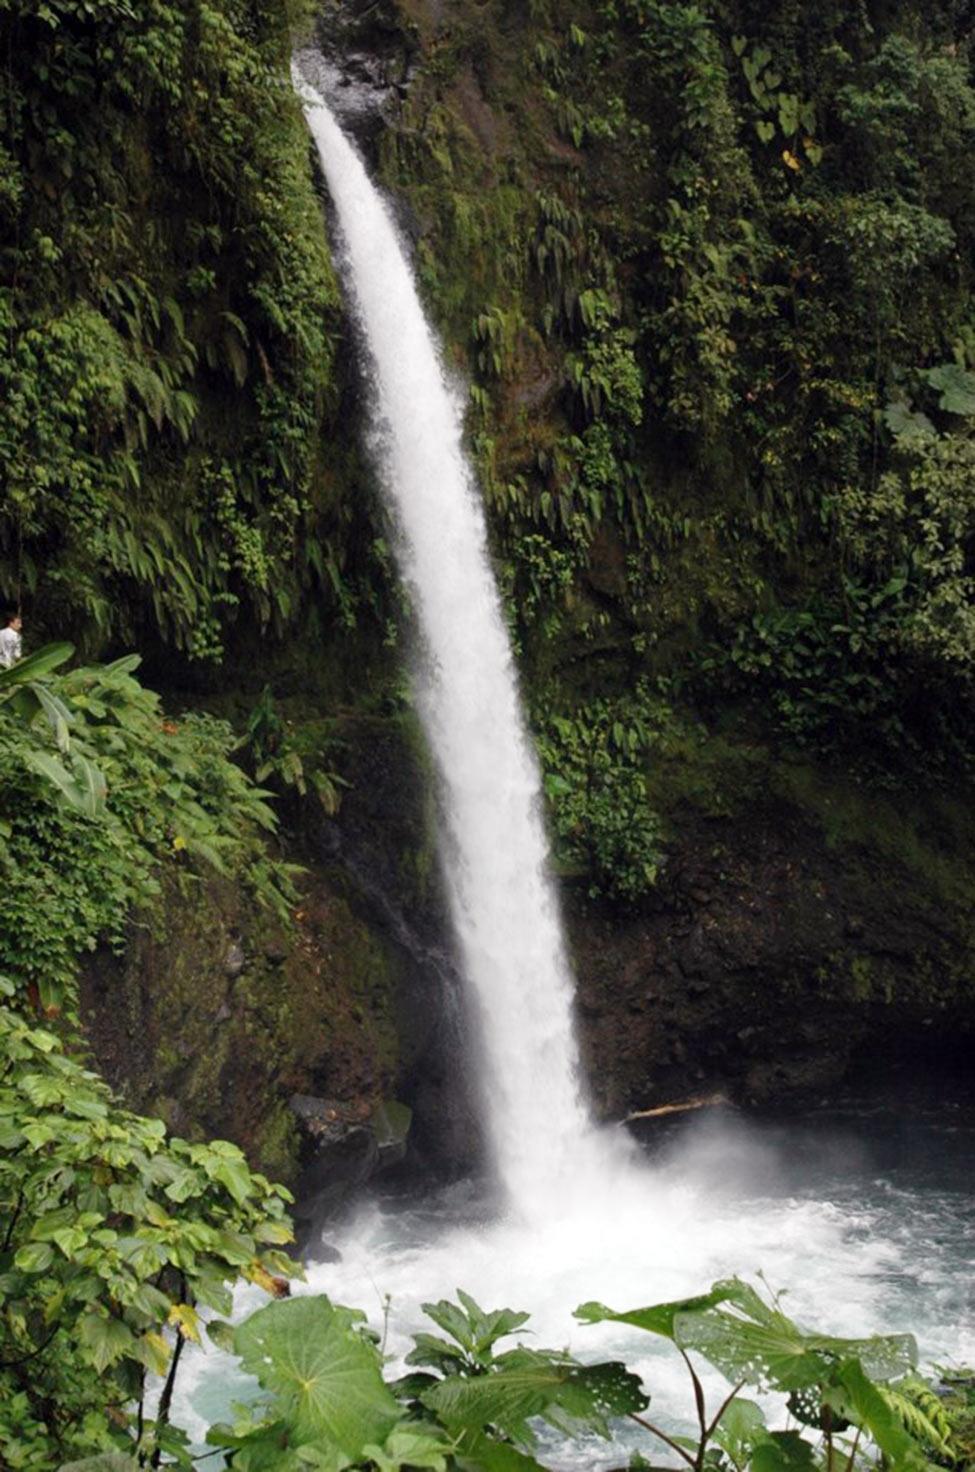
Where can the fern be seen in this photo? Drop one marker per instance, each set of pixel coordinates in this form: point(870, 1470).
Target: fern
point(922, 1415)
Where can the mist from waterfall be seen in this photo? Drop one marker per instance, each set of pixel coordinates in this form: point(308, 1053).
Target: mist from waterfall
point(493, 845)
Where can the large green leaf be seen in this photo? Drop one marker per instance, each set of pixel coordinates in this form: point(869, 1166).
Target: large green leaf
point(57, 713)
point(312, 1355)
point(956, 386)
point(84, 789)
point(123, 666)
point(92, 786)
point(528, 1383)
point(106, 1339)
point(754, 1342)
point(659, 1317)
point(907, 424)
point(33, 666)
point(34, 1257)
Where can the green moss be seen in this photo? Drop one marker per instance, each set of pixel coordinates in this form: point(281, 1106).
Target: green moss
point(927, 833)
point(277, 1144)
point(218, 1024)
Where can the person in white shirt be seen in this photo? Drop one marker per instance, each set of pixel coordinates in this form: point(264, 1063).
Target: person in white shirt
point(10, 643)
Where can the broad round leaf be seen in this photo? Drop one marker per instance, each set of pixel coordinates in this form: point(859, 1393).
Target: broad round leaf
point(311, 1354)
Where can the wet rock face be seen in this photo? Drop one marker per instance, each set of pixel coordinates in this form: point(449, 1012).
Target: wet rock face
point(364, 63)
point(768, 966)
point(383, 843)
point(286, 1039)
point(215, 1014)
point(340, 1152)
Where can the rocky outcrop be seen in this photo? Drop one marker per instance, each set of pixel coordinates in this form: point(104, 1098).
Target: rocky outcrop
point(341, 1148)
point(800, 928)
point(217, 1014)
point(788, 945)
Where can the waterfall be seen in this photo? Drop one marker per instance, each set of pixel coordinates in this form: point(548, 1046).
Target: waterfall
point(493, 846)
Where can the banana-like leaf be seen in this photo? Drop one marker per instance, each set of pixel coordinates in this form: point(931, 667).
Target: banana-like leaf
point(124, 666)
point(92, 786)
point(56, 711)
point(33, 666)
point(48, 766)
point(83, 789)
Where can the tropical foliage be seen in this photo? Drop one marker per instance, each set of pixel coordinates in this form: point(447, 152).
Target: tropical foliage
point(722, 350)
point(594, 762)
point(466, 1404)
point(98, 790)
point(169, 314)
point(113, 1239)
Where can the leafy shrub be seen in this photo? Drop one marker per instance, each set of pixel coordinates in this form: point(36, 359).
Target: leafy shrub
point(79, 860)
point(916, 524)
point(476, 1407)
point(113, 1239)
point(593, 774)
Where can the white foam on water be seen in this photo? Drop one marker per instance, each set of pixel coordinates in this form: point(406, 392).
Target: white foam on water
point(856, 1254)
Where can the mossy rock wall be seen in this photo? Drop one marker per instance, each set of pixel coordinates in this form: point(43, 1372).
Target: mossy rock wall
point(216, 1014)
point(803, 932)
point(680, 365)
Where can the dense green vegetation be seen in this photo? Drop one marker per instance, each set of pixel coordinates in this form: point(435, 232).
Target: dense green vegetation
point(169, 316)
point(709, 267)
point(708, 270)
point(111, 1236)
point(110, 1233)
point(102, 795)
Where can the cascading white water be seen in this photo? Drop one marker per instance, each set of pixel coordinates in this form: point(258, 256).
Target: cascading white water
point(494, 849)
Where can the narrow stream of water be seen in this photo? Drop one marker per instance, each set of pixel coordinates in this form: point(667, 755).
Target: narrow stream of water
point(492, 839)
